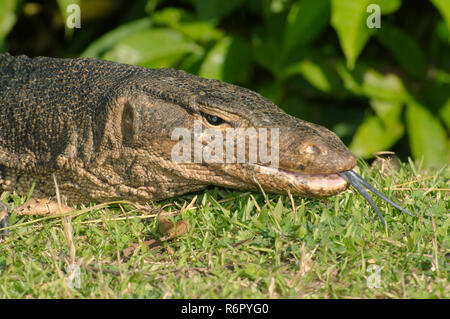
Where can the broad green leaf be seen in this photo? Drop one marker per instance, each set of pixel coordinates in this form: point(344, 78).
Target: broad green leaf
point(348, 18)
point(373, 135)
point(214, 10)
point(444, 8)
point(387, 93)
point(201, 31)
point(181, 20)
point(352, 79)
point(306, 20)
point(427, 137)
point(228, 60)
point(442, 31)
point(171, 17)
point(316, 73)
point(388, 111)
point(405, 49)
point(383, 87)
point(7, 18)
point(107, 41)
point(213, 67)
point(152, 48)
point(368, 82)
point(192, 62)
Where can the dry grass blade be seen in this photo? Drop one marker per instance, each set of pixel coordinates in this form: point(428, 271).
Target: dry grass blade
point(435, 248)
point(414, 181)
point(294, 209)
point(67, 224)
point(191, 204)
point(428, 189)
point(75, 213)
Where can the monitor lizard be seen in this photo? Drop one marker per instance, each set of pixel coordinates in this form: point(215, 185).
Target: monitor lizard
point(104, 129)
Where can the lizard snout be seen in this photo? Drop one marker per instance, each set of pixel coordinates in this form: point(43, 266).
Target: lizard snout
point(320, 152)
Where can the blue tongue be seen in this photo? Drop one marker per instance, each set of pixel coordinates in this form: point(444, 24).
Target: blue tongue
point(358, 182)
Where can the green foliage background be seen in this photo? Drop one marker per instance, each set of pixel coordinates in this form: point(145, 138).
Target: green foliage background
point(377, 88)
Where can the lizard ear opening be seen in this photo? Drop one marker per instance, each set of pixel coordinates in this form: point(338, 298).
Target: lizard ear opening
point(128, 125)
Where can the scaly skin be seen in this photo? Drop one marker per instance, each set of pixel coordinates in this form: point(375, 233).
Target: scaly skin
point(104, 129)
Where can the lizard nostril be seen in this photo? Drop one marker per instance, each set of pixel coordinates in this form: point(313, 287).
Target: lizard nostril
point(312, 149)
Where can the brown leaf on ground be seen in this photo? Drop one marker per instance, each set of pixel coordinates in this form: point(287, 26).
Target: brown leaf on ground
point(42, 207)
point(3, 211)
point(151, 244)
point(169, 229)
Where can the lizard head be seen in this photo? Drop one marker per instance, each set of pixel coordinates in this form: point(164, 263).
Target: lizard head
point(178, 133)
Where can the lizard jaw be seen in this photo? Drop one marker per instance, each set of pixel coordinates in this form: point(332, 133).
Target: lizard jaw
point(319, 184)
point(315, 185)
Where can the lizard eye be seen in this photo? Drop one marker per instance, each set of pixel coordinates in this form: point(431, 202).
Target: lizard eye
point(213, 119)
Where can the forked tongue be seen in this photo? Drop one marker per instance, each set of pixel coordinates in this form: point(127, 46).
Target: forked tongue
point(359, 183)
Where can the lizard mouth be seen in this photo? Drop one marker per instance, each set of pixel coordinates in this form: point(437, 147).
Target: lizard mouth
point(316, 185)
point(319, 183)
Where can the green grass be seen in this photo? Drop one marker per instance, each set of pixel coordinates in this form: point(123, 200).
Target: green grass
point(244, 245)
